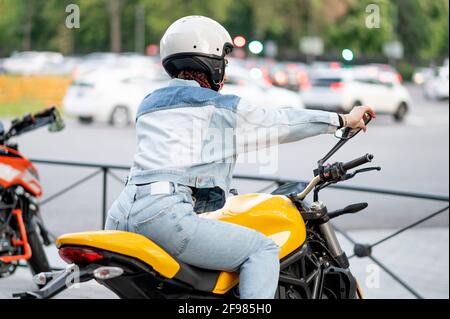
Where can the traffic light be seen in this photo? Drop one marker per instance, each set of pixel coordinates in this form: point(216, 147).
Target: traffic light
point(239, 41)
point(256, 47)
point(348, 55)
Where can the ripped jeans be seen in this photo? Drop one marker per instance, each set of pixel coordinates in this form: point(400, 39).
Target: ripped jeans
point(170, 222)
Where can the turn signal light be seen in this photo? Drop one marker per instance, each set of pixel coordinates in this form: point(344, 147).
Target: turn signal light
point(104, 273)
point(78, 255)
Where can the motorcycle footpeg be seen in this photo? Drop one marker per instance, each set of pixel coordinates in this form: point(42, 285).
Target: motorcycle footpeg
point(25, 295)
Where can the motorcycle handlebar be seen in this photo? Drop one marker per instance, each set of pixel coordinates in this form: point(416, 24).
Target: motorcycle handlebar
point(358, 162)
point(31, 121)
point(50, 112)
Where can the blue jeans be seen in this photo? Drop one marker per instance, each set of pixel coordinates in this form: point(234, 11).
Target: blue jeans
point(170, 222)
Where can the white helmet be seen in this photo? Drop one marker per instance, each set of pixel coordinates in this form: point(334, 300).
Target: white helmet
point(196, 43)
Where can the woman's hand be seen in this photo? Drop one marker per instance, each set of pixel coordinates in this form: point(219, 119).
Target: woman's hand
point(355, 119)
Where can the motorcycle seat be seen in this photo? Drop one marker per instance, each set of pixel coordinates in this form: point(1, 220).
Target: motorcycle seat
point(143, 249)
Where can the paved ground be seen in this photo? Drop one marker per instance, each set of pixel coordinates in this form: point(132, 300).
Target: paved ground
point(414, 156)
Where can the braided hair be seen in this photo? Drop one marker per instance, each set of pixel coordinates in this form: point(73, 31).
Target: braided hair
point(200, 77)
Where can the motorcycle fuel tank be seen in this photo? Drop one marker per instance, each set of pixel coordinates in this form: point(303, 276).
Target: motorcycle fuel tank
point(273, 215)
point(17, 170)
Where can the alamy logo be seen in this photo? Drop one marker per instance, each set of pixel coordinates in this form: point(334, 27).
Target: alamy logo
point(73, 19)
point(373, 17)
point(213, 145)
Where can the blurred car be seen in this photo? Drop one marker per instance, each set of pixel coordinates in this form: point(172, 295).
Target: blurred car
point(341, 90)
point(111, 96)
point(290, 75)
point(421, 75)
point(436, 87)
point(30, 62)
point(251, 85)
point(64, 67)
point(384, 70)
point(106, 60)
point(93, 62)
point(325, 65)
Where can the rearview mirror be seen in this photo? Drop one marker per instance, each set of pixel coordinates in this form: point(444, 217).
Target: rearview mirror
point(347, 133)
point(57, 124)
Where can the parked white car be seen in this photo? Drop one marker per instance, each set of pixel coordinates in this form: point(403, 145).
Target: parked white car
point(107, 60)
point(421, 75)
point(111, 96)
point(93, 62)
point(249, 85)
point(30, 62)
point(436, 87)
point(341, 90)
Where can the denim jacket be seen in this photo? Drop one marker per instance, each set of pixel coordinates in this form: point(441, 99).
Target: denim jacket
point(192, 135)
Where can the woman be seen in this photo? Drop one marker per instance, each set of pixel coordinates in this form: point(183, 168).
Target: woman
point(180, 170)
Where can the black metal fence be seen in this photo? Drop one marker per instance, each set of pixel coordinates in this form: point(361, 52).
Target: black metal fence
point(360, 250)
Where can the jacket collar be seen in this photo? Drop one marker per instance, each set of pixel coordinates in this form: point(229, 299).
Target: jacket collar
point(181, 82)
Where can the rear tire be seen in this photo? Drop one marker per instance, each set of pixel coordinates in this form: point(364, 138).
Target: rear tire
point(38, 262)
point(400, 113)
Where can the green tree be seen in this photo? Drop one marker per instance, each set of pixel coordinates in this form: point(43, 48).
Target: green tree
point(423, 27)
point(351, 31)
point(160, 14)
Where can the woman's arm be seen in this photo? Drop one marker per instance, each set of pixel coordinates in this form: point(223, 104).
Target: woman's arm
point(261, 127)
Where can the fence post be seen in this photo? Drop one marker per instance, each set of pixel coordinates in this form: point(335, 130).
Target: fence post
point(104, 197)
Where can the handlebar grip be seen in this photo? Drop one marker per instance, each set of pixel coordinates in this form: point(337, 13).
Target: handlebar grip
point(358, 162)
point(45, 113)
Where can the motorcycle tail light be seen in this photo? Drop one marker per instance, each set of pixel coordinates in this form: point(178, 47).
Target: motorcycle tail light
point(78, 255)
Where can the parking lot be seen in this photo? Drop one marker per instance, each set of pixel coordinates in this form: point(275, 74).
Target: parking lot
point(414, 156)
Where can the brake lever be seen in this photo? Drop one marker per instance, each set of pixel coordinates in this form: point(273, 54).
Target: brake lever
point(362, 170)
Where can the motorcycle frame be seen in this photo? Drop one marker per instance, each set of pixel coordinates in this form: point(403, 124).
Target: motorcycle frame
point(22, 242)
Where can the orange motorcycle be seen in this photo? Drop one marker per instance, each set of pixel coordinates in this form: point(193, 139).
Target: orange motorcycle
point(22, 232)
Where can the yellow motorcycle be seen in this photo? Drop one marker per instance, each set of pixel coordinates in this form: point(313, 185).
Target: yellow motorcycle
point(312, 262)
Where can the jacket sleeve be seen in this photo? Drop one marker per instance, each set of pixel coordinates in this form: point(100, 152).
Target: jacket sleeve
point(261, 127)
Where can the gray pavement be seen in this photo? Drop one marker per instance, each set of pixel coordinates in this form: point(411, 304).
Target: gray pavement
point(414, 156)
